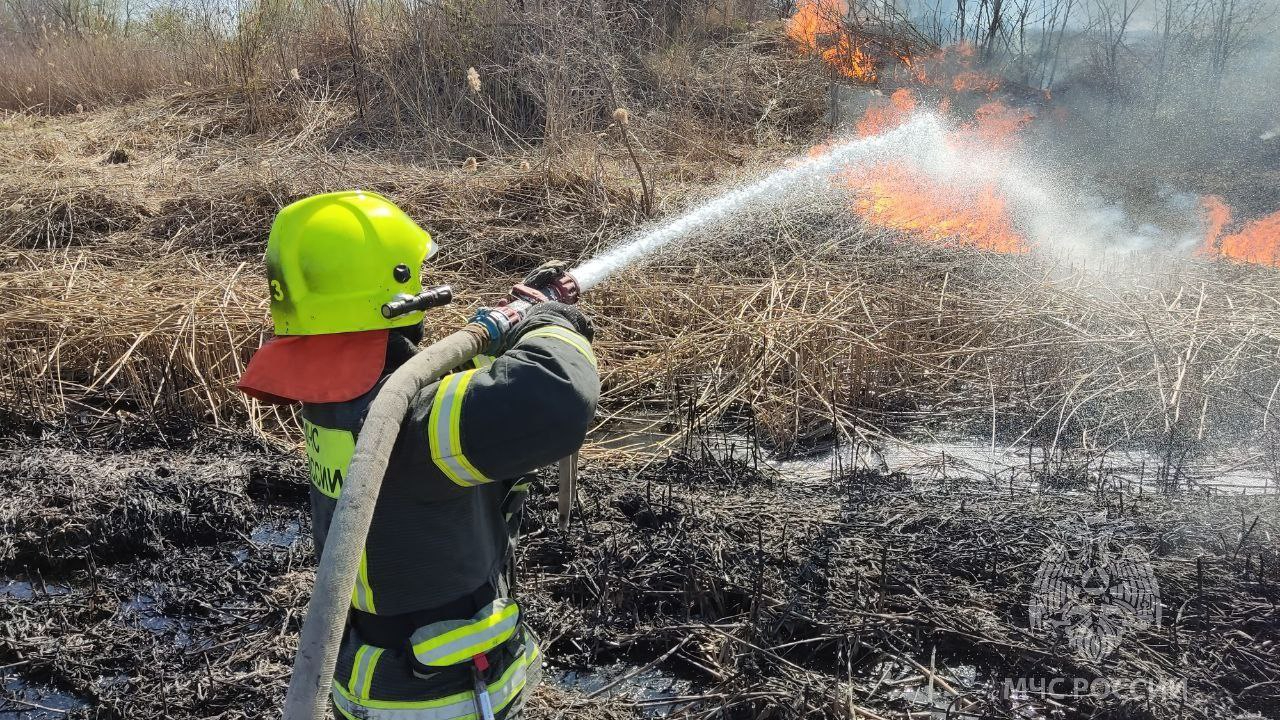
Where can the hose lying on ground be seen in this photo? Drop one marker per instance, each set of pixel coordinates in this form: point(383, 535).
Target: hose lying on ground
point(326, 617)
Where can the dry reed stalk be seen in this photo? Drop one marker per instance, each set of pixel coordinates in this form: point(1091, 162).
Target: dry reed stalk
point(807, 348)
point(822, 330)
point(863, 342)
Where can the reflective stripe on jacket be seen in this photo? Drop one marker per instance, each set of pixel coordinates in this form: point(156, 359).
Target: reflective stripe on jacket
point(378, 684)
point(449, 642)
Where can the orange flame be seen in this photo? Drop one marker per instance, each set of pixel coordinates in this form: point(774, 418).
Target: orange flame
point(895, 197)
point(997, 124)
point(950, 70)
point(819, 27)
point(917, 68)
point(973, 81)
point(1257, 242)
point(881, 117)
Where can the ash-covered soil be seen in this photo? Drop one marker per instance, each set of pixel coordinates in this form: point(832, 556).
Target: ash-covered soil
point(169, 583)
point(151, 583)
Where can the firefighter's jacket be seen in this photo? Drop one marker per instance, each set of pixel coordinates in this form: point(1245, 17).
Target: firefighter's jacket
point(429, 596)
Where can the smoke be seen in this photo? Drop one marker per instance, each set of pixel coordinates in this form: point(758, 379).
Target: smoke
point(1058, 212)
point(1146, 112)
point(1190, 97)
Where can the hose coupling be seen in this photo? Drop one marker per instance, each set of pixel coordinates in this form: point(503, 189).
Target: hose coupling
point(498, 321)
point(563, 289)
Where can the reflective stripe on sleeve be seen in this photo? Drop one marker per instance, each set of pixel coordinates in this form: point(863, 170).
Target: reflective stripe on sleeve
point(453, 641)
point(444, 431)
point(459, 706)
point(362, 593)
point(578, 342)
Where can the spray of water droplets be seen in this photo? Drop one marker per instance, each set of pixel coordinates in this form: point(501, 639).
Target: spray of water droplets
point(1055, 216)
point(922, 130)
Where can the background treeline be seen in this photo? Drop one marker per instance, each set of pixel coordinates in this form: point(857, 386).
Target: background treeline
point(542, 67)
point(1182, 90)
point(544, 61)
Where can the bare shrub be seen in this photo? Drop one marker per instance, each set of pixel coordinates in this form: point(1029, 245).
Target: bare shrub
point(562, 68)
point(70, 74)
point(544, 74)
point(750, 86)
point(475, 80)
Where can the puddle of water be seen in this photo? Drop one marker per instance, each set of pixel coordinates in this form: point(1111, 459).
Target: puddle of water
point(144, 611)
point(649, 687)
point(1238, 470)
point(277, 534)
point(938, 703)
point(911, 686)
point(1241, 470)
point(643, 438)
point(21, 589)
point(25, 700)
point(973, 459)
point(111, 682)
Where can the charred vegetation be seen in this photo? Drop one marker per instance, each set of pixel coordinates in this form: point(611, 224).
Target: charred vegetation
point(742, 548)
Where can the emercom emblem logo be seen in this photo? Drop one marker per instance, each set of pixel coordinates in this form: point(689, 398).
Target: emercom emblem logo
point(1090, 590)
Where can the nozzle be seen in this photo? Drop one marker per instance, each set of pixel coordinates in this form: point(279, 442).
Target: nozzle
point(564, 289)
point(430, 298)
point(497, 321)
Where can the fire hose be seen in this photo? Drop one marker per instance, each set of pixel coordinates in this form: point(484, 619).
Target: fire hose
point(322, 629)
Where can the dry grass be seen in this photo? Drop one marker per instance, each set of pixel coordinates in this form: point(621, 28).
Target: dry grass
point(164, 351)
point(131, 278)
point(831, 328)
point(64, 76)
point(133, 239)
point(489, 79)
point(821, 329)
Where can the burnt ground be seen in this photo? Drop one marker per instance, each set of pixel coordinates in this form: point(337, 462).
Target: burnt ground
point(169, 582)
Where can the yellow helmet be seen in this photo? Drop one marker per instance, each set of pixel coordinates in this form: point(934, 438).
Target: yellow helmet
point(334, 259)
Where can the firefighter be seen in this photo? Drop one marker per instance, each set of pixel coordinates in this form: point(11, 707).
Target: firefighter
point(434, 630)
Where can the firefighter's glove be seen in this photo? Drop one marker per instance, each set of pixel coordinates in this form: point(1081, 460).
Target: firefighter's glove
point(545, 274)
point(547, 313)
